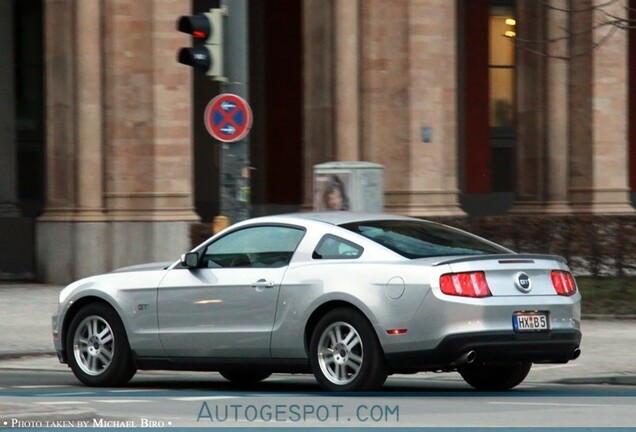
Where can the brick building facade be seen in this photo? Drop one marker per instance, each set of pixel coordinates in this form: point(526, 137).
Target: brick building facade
point(119, 158)
point(463, 119)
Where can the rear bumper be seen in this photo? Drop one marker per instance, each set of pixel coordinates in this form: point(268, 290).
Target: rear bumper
point(556, 346)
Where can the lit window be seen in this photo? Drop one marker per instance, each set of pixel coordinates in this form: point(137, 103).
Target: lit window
point(502, 72)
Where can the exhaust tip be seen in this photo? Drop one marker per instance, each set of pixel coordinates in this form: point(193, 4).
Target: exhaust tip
point(575, 354)
point(467, 358)
point(471, 356)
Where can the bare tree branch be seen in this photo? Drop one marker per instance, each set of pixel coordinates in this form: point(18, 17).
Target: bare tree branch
point(574, 10)
point(602, 18)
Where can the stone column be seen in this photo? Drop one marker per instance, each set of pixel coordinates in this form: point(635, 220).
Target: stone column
point(89, 65)
point(90, 232)
point(376, 73)
point(556, 113)
point(119, 165)
point(598, 86)
point(60, 107)
point(347, 75)
point(318, 89)
point(8, 144)
point(530, 67)
point(55, 249)
point(384, 105)
point(420, 92)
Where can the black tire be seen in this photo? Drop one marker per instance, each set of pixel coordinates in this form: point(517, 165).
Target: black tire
point(97, 347)
point(345, 354)
point(493, 377)
point(245, 377)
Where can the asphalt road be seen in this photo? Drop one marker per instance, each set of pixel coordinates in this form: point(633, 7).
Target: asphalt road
point(596, 390)
point(35, 393)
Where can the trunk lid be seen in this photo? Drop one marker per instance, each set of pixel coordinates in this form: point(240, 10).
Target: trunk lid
point(512, 274)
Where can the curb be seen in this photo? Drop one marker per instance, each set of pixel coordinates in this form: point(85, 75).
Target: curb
point(604, 317)
point(19, 355)
point(10, 413)
point(620, 380)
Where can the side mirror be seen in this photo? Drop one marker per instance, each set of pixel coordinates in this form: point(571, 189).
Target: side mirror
point(190, 260)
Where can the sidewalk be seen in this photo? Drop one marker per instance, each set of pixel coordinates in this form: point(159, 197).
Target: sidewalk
point(608, 354)
point(25, 318)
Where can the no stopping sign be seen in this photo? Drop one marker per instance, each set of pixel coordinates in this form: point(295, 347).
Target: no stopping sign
point(228, 117)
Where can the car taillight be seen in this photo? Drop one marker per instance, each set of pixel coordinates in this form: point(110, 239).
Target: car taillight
point(469, 284)
point(563, 282)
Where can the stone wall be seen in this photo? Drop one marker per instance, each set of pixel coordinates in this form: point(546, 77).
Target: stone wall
point(119, 146)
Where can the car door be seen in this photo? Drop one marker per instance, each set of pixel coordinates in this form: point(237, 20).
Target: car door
point(226, 307)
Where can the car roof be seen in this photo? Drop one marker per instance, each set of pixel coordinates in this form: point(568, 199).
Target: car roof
point(334, 217)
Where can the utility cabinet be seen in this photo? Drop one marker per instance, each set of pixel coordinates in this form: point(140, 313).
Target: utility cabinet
point(349, 186)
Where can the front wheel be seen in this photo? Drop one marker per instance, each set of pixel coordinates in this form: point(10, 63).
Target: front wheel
point(495, 376)
point(97, 347)
point(345, 354)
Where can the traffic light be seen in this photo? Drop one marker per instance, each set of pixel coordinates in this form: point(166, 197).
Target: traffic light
point(207, 53)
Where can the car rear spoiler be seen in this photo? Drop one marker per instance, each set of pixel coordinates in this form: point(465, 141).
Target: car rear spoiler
point(504, 258)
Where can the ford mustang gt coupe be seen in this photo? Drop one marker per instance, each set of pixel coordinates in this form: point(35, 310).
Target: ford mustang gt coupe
point(351, 298)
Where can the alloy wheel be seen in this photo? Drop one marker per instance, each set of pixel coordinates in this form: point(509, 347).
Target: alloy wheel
point(93, 345)
point(340, 353)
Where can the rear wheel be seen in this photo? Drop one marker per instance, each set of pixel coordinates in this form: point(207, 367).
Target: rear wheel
point(495, 376)
point(245, 377)
point(345, 354)
point(97, 347)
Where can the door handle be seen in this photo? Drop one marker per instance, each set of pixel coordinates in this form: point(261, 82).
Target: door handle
point(262, 283)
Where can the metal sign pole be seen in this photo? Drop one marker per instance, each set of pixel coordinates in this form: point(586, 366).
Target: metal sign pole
point(235, 158)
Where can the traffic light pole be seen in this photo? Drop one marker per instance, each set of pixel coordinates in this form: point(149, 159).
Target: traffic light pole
point(235, 158)
point(221, 51)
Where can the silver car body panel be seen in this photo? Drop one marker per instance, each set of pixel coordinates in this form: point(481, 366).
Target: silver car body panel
point(218, 312)
point(263, 312)
point(132, 294)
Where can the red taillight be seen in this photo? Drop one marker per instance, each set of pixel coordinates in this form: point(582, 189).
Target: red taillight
point(563, 282)
point(470, 284)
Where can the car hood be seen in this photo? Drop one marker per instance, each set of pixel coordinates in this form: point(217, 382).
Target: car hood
point(144, 267)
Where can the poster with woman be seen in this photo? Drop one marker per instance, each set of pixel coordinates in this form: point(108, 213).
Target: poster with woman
point(330, 192)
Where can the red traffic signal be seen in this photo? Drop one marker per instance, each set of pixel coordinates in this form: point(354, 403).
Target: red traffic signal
point(196, 25)
point(207, 53)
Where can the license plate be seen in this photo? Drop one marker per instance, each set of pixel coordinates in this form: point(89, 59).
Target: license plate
point(530, 322)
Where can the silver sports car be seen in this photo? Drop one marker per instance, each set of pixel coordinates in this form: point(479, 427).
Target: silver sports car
point(348, 297)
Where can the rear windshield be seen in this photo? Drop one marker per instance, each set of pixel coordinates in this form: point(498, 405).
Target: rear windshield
point(414, 239)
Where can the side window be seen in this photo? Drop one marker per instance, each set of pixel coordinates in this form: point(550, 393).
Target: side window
point(259, 246)
point(332, 247)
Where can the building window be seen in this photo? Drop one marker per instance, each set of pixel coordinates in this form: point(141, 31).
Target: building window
point(487, 85)
point(502, 91)
point(502, 66)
